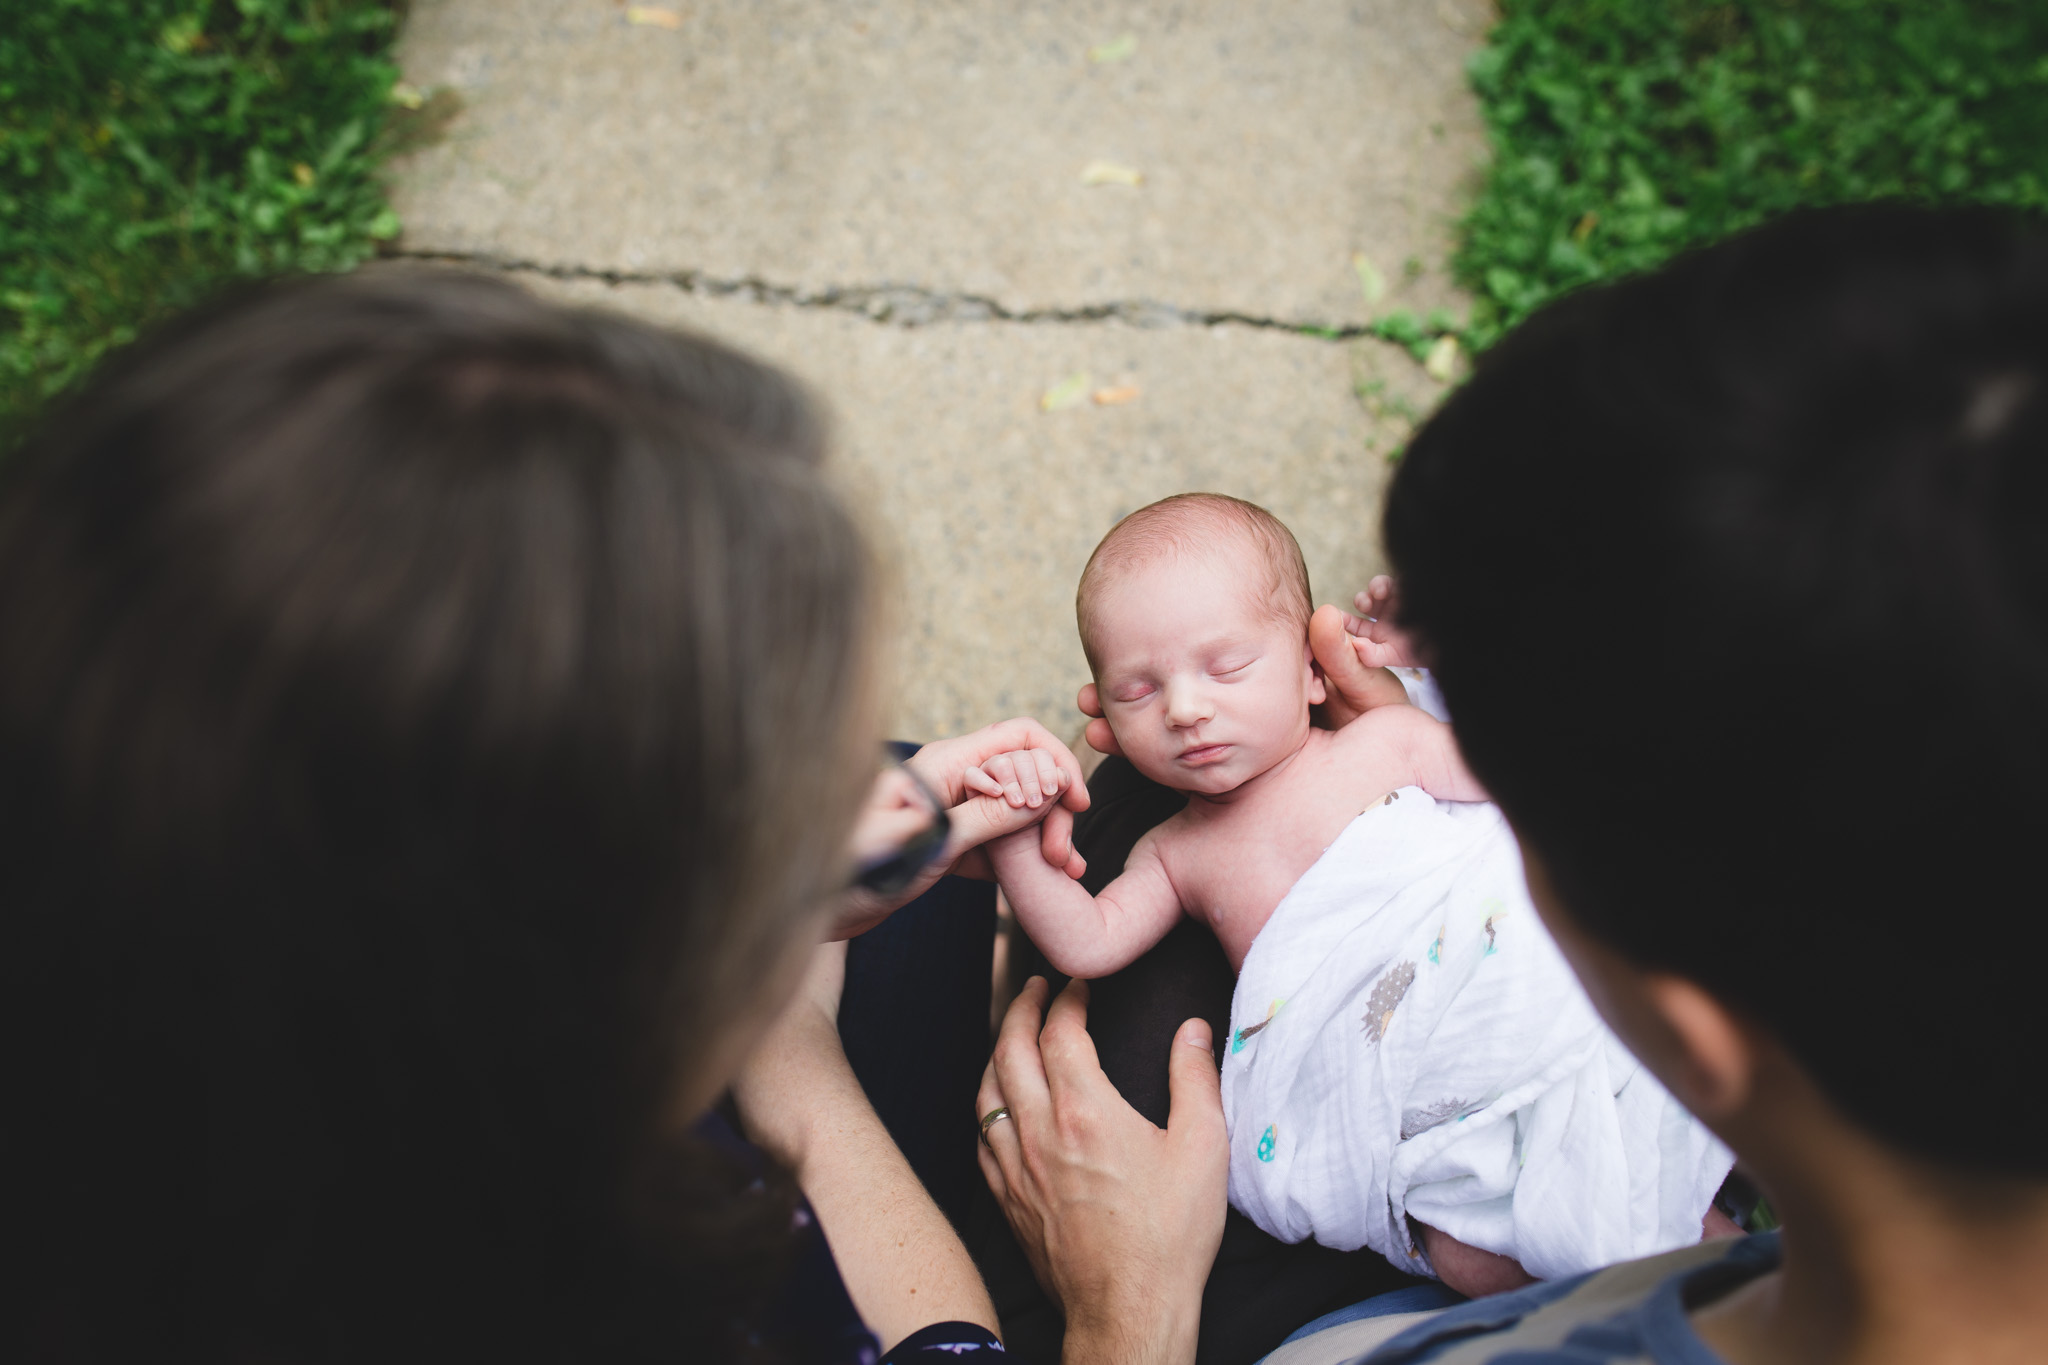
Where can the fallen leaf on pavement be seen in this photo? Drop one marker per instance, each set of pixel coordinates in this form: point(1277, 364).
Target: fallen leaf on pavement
point(1065, 394)
point(406, 97)
point(1113, 397)
point(1370, 280)
point(1119, 49)
point(1443, 359)
point(653, 16)
point(1110, 173)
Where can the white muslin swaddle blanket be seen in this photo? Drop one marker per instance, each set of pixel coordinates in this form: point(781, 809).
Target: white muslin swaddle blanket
point(1407, 1040)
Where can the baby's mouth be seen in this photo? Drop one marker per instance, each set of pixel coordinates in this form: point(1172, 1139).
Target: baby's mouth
point(1203, 754)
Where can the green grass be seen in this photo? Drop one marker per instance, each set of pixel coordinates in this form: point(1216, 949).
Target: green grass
point(152, 149)
point(1625, 131)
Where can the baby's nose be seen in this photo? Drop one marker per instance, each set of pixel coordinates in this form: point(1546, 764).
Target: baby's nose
point(1186, 704)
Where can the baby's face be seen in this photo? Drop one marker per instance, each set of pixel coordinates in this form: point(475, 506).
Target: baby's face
point(1204, 684)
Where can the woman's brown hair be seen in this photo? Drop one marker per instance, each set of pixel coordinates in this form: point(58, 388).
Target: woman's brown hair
point(427, 716)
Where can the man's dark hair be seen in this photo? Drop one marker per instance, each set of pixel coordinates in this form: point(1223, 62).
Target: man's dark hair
point(1736, 579)
point(426, 716)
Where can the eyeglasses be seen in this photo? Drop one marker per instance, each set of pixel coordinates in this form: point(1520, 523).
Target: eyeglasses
point(889, 874)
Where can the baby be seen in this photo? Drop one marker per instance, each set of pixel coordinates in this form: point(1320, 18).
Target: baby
point(1194, 616)
point(1405, 1039)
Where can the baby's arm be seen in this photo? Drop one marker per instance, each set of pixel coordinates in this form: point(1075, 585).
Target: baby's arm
point(1467, 1269)
point(1083, 935)
point(1027, 779)
point(1422, 750)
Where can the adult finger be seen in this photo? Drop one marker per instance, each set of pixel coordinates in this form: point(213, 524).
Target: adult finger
point(999, 1150)
point(1072, 1067)
point(1194, 1088)
point(1348, 693)
point(1197, 1143)
point(992, 1173)
point(1019, 1069)
point(1097, 732)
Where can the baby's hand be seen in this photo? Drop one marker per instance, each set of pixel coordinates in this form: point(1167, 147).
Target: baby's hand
point(1028, 779)
point(1376, 640)
point(1022, 777)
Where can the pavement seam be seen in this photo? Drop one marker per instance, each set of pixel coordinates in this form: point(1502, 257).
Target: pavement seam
point(895, 305)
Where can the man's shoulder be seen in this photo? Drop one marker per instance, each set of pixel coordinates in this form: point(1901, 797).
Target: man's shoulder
point(1628, 1313)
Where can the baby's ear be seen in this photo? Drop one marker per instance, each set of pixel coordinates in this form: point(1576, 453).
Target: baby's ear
point(1318, 689)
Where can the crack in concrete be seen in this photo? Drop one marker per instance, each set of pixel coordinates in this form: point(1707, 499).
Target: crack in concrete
point(897, 305)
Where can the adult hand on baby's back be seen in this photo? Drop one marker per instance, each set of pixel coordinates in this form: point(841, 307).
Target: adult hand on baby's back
point(1121, 1220)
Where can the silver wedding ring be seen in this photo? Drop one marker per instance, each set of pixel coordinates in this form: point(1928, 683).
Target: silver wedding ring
point(991, 1119)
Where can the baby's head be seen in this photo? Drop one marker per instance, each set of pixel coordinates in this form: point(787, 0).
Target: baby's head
point(1194, 615)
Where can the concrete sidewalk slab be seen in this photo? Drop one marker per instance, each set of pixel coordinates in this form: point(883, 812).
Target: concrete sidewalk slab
point(888, 198)
point(822, 144)
point(986, 507)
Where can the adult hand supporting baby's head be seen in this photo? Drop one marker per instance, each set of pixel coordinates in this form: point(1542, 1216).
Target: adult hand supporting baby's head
point(1352, 685)
point(1098, 734)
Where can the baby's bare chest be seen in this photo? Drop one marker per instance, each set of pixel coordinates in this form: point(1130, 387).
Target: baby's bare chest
point(1232, 867)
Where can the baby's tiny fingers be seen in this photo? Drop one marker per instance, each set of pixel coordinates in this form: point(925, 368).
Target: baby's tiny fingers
point(1003, 768)
point(978, 781)
point(1029, 780)
point(1052, 779)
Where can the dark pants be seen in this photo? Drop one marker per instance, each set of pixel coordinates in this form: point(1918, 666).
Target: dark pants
point(915, 1021)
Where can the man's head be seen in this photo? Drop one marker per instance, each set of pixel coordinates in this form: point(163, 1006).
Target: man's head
point(1194, 615)
point(1788, 498)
